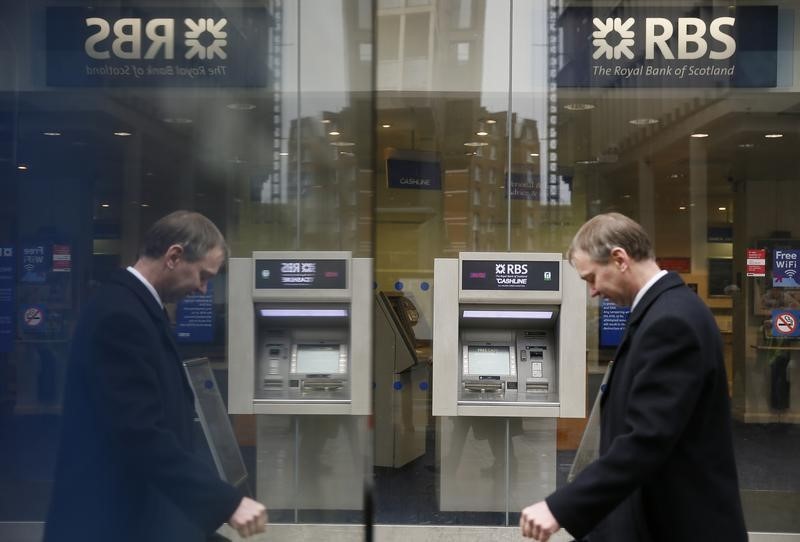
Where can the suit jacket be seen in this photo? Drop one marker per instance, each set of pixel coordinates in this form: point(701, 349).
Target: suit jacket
point(125, 468)
point(666, 468)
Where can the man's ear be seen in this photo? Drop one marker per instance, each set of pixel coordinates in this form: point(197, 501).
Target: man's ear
point(173, 256)
point(619, 256)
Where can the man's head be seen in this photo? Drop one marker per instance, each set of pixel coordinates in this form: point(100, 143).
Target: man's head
point(180, 253)
point(613, 254)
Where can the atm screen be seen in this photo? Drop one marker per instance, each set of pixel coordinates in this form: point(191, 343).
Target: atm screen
point(315, 358)
point(489, 360)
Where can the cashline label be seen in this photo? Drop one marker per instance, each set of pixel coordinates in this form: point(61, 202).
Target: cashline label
point(301, 274)
point(510, 275)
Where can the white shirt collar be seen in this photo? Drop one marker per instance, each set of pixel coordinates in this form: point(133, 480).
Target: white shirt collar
point(147, 285)
point(647, 286)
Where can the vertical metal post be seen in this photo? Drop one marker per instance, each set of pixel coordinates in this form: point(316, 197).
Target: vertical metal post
point(508, 466)
point(296, 474)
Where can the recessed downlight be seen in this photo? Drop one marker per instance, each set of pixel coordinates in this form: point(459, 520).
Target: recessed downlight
point(699, 135)
point(123, 134)
point(386, 125)
point(51, 134)
point(481, 133)
point(334, 133)
point(22, 167)
point(534, 154)
point(491, 121)
point(745, 145)
point(241, 106)
point(646, 121)
point(773, 136)
point(178, 120)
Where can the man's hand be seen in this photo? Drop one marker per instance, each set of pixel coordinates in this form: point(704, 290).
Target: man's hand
point(249, 518)
point(537, 522)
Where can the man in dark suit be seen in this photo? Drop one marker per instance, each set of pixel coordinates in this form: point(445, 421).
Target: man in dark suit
point(666, 469)
point(125, 468)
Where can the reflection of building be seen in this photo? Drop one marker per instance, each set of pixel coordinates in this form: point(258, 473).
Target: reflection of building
point(329, 181)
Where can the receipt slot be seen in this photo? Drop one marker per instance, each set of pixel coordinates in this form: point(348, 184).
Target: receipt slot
point(509, 357)
point(299, 356)
point(299, 332)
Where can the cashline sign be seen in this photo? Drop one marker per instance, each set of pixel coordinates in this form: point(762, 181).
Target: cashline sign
point(301, 274)
point(499, 275)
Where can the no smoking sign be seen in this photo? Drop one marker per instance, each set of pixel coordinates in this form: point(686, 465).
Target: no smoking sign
point(784, 323)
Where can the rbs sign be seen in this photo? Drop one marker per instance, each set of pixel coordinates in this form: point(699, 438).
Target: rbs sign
point(651, 46)
point(129, 34)
point(157, 46)
point(692, 42)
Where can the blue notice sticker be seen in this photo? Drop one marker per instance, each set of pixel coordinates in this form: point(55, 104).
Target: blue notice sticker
point(194, 317)
point(7, 283)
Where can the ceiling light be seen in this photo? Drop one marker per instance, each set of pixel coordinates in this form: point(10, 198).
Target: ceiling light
point(579, 107)
point(476, 144)
point(773, 136)
point(386, 125)
point(535, 154)
point(22, 167)
point(51, 134)
point(241, 107)
point(588, 162)
point(284, 154)
point(682, 207)
point(122, 134)
point(643, 121)
point(105, 205)
point(626, 196)
point(491, 121)
point(325, 121)
point(178, 120)
point(722, 208)
point(343, 144)
point(746, 145)
point(699, 135)
point(144, 205)
point(482, 133)
point(334, 133)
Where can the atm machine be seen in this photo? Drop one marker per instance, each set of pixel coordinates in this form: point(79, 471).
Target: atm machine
point(299, 356)
point(509, 358)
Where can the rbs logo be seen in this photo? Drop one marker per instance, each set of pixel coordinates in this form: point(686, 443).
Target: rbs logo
point(131, 35)
point(511, 269)
point(692, 40)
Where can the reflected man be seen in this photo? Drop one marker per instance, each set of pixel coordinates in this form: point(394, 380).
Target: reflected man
point(125, 468)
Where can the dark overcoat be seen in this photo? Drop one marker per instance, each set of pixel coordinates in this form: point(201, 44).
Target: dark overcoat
point(666, 469)
point(125, 467)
